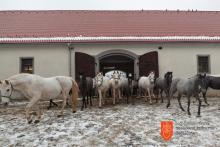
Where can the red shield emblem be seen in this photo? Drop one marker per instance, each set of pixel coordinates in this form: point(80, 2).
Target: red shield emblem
point(166, 130)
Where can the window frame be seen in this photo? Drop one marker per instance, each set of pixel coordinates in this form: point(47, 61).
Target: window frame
point(21, 58)
point(209, 64)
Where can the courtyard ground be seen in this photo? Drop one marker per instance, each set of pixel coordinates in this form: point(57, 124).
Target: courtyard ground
point(119, 125)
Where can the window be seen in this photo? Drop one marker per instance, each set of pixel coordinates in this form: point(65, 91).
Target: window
point(26, 65)
point(203, 64)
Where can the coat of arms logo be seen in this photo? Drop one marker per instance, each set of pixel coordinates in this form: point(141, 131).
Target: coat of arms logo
point(166, 130)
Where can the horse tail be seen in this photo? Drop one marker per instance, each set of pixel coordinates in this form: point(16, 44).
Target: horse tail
point(75, 90)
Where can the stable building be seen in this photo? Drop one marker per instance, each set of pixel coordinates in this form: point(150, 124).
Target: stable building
point(68, 42)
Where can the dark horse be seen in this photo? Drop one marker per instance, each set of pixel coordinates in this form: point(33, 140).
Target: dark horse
point(86, 90)
point(128, 88)
point(189, 87)
point(212, 82)
point(163, 84)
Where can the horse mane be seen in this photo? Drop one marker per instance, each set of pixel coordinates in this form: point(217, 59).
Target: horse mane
point(18, 78)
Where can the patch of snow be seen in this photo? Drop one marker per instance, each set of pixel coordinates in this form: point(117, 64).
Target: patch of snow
point(119, 125)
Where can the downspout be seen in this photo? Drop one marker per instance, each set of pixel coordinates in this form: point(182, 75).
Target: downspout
point(70, 59)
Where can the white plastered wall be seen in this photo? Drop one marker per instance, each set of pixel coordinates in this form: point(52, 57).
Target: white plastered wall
point(53, 59)
point(49, 59)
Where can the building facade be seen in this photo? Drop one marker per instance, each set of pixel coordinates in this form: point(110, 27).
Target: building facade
point(52, 43)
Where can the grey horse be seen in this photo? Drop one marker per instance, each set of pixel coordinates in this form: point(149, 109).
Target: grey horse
point(211, 81)
point(189, 87)
point(163, 84)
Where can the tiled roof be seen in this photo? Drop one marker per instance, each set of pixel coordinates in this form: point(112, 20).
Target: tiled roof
point(107, 24)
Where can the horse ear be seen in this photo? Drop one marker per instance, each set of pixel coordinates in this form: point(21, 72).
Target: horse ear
point(199, 75)
point(7, 82)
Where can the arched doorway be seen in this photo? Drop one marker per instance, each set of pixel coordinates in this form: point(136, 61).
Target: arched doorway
point(117, 62)
point(117, 59)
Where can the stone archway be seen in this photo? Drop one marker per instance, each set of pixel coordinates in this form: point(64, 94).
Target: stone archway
point(119, 60)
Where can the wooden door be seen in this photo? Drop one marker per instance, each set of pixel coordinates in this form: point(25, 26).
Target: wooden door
point(84, 64)
point(148, 62)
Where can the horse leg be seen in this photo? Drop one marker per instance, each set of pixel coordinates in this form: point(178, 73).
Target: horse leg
point(171, 92)
point(199, 107)
point(83, 103)
point(114, 96)
point(205, 98)
point(86, 100)
point(100, 98)
point(87, 95)
point(149, 91)
point(90, 98)
point(168, 99)
point(161, 95)
point(63, 105)
point(152, 91)
point(145, 96)
point(188, 97)
point(38, 114)
point(52, 103)
point(120, 94)
point(179, 97)
point(167, 94)
point(28, 107)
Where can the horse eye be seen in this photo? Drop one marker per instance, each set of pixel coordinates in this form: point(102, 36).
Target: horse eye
point(7, 90)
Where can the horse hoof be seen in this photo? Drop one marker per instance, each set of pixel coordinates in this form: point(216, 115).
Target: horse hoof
point(74, 111)
point(29, 121)
point(36, 121)
point(198, 116)
point(59, 115)
point(150, 103)
point(100, 107)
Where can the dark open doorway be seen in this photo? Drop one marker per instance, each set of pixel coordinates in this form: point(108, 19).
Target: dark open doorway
point(117, 62)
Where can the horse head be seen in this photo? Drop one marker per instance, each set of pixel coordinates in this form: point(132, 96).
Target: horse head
point(6, 88)
point(116, 76)
point(151, 77)
point(99, 79)
point(168, 77)
point(201, 78)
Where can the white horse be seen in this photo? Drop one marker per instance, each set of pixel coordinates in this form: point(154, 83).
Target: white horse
point(116, 83)
point(102, 83)
point(110, 73)
point(146, 84)
point(37, 88)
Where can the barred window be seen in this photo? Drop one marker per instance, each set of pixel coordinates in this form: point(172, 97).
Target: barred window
point(203, 64)
point(26, 65)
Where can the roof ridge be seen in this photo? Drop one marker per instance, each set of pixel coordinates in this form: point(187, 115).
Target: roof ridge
point(113, 11)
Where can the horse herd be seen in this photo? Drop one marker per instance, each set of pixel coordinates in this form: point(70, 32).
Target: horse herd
point(115, 84)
